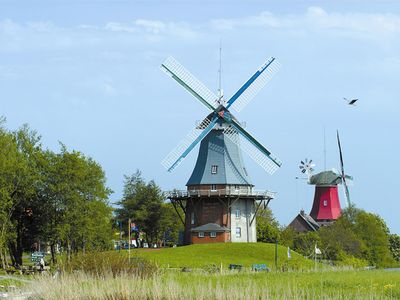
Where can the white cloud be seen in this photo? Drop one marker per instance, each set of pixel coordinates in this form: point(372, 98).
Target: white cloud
point(154, 28)
point(317, 19)
point(118, 27)
point(16, 36)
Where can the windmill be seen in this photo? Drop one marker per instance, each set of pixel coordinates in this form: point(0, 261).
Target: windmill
point(345, 178)
point(326, 206)
point(307, 167)
point(219, 172)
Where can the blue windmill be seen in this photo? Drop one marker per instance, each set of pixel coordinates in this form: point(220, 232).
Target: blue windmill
point(220, 119)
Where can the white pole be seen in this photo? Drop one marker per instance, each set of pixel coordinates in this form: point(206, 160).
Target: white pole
point(129, 242)
point(315, 257)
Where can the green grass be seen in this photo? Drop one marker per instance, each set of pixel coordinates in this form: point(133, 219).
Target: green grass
point(376, 284)
point(16, 281)
point(246, 254)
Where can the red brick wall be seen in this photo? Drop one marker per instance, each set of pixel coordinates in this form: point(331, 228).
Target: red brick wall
point(222, 237)
point(207, 210)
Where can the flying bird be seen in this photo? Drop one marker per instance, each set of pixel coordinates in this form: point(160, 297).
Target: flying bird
point(351, 102)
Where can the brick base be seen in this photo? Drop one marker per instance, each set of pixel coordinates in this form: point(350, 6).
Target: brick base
point(222, 237)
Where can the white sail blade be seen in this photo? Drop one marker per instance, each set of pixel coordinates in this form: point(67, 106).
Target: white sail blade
point(259, 157)
point(257, 85)
point(194, 86)
point(174, 158)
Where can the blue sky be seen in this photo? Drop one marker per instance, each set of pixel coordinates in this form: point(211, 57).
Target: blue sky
point(87, 73)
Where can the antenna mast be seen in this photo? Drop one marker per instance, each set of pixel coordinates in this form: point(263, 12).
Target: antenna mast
point(220, 91)
point(324, 150)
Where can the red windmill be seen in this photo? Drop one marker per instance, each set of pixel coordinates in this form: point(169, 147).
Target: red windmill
point(326, 206)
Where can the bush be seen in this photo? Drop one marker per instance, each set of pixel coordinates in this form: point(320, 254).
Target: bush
point(211, 268)
point(351, 261)
point(105, 263)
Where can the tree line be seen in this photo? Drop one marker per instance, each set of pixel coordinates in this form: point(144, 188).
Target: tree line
point(357, 238)
point(60, 200)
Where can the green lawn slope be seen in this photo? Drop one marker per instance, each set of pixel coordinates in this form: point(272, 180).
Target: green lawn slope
point(245, 254)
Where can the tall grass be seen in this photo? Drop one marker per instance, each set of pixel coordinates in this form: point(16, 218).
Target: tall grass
point(229, 285)
point(108, 263)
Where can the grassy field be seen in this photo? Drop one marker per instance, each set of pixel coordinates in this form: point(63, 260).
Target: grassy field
point(228, 285)
point(98, 279)
point(246, 254)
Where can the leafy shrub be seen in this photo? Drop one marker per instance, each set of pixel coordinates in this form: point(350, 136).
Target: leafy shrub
point(348, 260)
point(211, 268)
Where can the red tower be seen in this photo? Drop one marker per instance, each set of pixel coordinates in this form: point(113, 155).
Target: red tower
point(326, 206)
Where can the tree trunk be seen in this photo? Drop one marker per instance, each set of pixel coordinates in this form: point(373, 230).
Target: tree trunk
point(83, 245)
point(68, 250)
point(11, 250)
point(19, 247)
point(3, 258)
point(53, 253)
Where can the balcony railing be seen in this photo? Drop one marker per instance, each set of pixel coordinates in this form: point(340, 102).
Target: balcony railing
point(221, 192)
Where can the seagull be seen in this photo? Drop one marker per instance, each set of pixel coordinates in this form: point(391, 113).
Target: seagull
point(352, 101)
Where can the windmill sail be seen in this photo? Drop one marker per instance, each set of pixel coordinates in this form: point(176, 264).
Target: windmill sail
point(252, 86)
point(175, 157)
point(220, 114)
point(194, 86)
point(344, 177)
point(253, 148)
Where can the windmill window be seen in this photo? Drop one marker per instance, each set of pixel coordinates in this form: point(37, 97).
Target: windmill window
point(325, 202)
point(238, 214)
point(214, 169)
point(238, 232)
point(213, 187)
point(237, 187)
point(201, 234)
point(213, 234)
point(192, 218)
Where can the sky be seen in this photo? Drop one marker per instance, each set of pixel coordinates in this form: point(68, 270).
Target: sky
point(87, 74)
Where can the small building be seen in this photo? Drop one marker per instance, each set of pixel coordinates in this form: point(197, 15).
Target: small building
point(304, 223)
point(210, 233)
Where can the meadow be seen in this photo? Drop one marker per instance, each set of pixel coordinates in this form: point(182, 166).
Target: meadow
point(341, 284)
point(107, 276)
point(203, 255)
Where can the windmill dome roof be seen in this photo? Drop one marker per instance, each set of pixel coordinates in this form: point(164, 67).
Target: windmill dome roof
point(326, 178)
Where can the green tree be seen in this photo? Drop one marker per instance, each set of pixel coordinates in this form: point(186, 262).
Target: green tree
point(54, 198)
point(75, 197)
point(287, 236)
point(394, 246)
point(144, 204)
point(340, 237)
point(170, 224)
point(9, 165)
point(305, 243)
point(373, 231)
point(267, 226)
point(358, 234)
point(26, 180)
